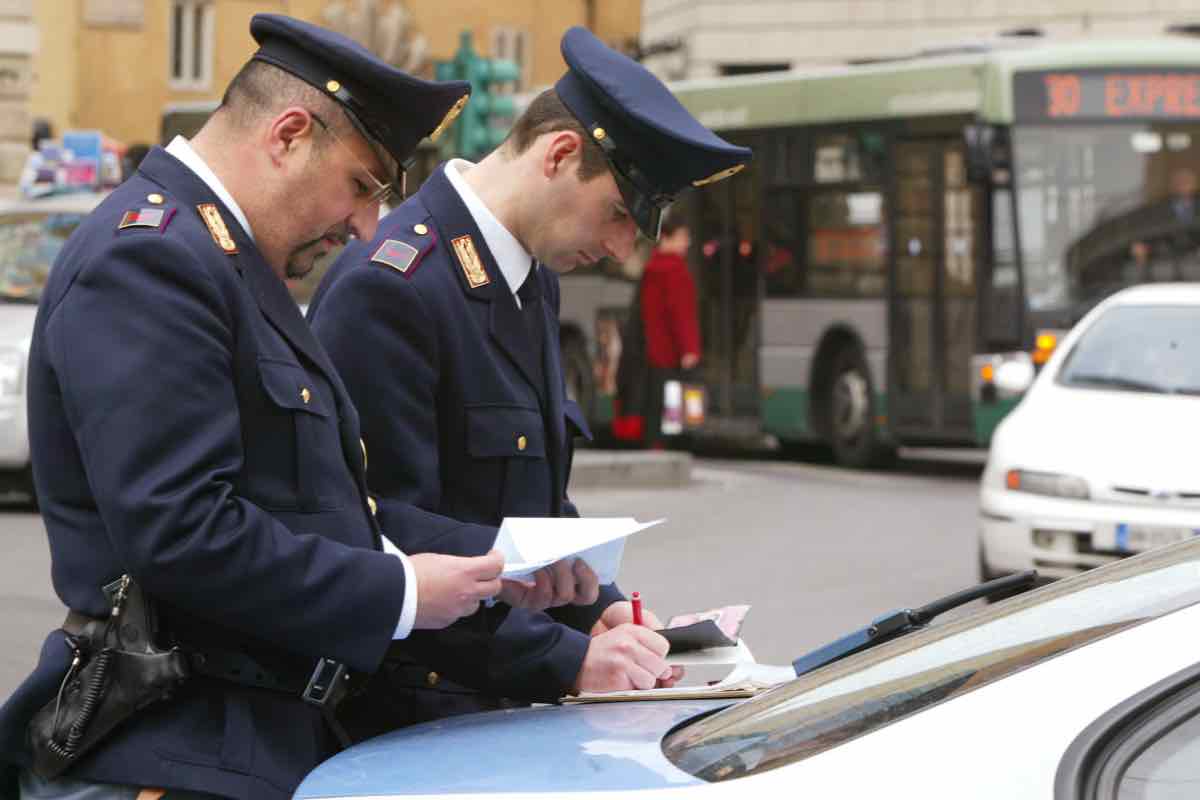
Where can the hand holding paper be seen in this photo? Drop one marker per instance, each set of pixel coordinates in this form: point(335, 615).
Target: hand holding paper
point(530, 543)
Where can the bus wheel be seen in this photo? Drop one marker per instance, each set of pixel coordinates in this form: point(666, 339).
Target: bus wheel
point(577, 374)
point(852, 413)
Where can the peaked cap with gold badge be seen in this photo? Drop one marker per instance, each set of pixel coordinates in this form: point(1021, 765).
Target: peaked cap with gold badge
point(396, 109)
point(654, 146)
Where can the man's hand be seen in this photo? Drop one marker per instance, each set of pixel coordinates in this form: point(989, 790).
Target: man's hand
point(626, 657)
point(449, 587)
point(567, 581)
point(621, 613)
point(689, 360)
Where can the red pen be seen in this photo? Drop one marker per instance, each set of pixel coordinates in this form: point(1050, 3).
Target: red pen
point(636, 600)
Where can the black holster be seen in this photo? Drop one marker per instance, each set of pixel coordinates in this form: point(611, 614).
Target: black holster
point(117, 670)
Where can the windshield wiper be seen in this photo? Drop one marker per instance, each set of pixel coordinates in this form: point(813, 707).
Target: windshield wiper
point(906, 620)
point(1095, 379)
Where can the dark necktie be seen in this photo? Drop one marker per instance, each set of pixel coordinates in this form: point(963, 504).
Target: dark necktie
point(531, 310)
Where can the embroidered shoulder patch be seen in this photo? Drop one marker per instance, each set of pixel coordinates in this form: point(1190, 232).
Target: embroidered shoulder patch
point(145, 218)
point(396, 254)
point(472, 266)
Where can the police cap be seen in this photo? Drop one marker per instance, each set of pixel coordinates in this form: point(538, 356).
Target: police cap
point(655, 148)
point(396, 109)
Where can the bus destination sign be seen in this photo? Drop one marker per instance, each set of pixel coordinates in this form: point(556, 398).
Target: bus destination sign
point(1092, 95)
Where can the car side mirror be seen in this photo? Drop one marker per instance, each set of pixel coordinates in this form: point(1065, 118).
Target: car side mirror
point(1014, 377)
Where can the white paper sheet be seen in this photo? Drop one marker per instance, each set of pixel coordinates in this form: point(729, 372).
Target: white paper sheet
point(530, 543)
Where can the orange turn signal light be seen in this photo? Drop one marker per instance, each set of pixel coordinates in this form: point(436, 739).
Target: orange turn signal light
point(1013, 479)
point(987, 372)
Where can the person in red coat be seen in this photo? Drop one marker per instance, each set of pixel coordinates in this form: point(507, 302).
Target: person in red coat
point(667, 299)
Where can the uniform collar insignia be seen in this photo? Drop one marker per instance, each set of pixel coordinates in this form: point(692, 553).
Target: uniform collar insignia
point(468, 257)
point(216, 227)
point(396, 254)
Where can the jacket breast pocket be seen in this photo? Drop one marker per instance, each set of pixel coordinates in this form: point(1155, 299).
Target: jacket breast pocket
point(293, 448)
point(509, 475)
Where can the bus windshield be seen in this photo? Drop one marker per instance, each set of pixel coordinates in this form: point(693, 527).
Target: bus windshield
point(1105, 206)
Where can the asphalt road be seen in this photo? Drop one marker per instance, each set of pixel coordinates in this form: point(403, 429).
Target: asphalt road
point(816, 550)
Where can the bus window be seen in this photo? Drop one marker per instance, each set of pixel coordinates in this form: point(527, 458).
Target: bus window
point(846, 245)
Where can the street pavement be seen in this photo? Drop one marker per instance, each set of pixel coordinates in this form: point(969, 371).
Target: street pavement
point(816, 550)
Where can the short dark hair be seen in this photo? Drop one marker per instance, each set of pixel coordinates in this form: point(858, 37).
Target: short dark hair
point(548, 114)
point(260, 88)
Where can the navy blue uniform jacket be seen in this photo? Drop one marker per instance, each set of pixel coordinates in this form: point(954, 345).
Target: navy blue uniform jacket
point(188, 429)
point(459, 432)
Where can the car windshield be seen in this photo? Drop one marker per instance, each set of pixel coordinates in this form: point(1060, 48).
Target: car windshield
point(872, 689)
point(1146, 348)
point(29, 243)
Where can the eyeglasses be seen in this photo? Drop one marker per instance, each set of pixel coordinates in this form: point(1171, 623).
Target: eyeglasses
point(384, 192)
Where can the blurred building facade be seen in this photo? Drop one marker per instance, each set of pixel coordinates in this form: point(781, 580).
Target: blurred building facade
point(18, 43)
point(690, 39)
point(118, 65)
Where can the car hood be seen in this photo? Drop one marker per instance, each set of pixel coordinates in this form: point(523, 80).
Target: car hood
point(16, 324)
point(1127, 438)
point(582, 747)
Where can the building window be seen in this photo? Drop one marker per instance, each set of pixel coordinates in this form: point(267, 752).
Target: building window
point(191, 44)
point(513, 44)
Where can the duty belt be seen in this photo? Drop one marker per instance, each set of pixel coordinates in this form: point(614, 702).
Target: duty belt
point(325, 686)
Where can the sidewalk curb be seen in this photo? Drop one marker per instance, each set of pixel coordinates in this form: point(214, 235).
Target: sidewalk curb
point(643, 469)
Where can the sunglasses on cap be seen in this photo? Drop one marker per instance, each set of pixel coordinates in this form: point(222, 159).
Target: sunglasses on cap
point(645, 204)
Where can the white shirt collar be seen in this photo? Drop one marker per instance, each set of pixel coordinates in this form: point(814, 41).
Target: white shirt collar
point(512, 258)
point(182, 149)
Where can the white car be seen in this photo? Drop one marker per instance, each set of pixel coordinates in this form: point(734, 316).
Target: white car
point(1086, 682)
point(1099, 460)
point(31, 234)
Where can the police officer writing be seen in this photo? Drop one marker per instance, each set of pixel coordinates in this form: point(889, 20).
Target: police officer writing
point(445, 330)
point(192, 442)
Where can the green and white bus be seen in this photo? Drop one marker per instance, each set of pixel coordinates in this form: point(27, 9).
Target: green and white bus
point(907, 226)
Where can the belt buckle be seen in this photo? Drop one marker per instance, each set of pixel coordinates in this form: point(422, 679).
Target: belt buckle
point(325, 684)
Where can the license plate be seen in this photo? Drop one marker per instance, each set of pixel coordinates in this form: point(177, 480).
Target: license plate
point(1136, 538)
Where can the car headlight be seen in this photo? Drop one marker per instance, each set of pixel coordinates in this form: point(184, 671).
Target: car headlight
point(12, 370)
point(1048, 483)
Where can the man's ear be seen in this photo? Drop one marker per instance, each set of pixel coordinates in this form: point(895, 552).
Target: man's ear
point(288, 129)
point(562, 153)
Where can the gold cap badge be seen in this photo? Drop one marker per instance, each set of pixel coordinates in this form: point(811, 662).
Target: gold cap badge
point(453, 113)
point(720, 176)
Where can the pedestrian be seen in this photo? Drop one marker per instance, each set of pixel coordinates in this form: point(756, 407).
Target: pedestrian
point(193, 445)
point(445, 328)
point(667, 302)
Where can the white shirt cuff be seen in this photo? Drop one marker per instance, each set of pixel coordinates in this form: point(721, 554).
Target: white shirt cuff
point(408, 613)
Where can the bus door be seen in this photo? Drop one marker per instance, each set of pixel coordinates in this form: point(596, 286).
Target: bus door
point(932, 311)
point(725, 263)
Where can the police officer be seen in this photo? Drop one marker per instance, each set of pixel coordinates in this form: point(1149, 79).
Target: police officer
point(445, 329)
point(188, 430)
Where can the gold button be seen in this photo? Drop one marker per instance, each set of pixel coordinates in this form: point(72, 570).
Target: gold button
point(420, 230)
point(371, 504)
point(333, 87)
point(305, 395)
point(154, 197)
point(522, 442)
point(432, 678)
point(599, 134)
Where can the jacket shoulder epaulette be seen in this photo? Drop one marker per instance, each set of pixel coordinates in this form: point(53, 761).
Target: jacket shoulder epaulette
point(404, 247)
